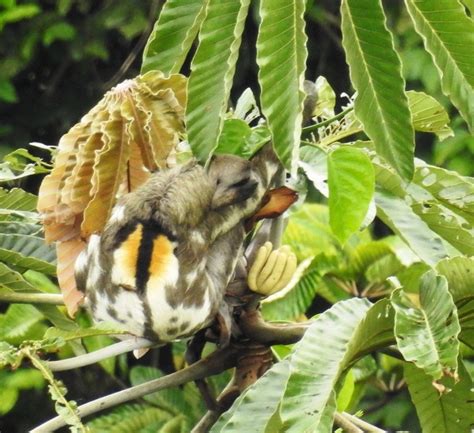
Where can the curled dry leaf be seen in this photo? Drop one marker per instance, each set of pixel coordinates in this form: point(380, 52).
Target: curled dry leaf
point(111, 151)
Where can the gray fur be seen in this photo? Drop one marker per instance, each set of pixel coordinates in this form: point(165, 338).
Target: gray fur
point(205, 211)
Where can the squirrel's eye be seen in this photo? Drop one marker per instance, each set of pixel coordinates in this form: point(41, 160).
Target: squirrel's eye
point(240, 183)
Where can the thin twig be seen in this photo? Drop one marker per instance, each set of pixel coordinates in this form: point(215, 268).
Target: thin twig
point(349, 427)
point(311, 128)
point(32, 298)
point(136, 49)
point(98, 355)
point(369, 428)
point(215, 363)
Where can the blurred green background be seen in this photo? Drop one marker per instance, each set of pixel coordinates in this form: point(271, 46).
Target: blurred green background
point(57, 59)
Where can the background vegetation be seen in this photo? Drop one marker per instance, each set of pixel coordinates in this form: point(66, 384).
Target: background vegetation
point(59, 57)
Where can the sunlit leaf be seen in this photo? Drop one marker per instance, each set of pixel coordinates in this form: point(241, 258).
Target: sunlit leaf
point(212, 71)
point(427, 333)
point(428, 115)
point(351, 188)
point(399, 216)
point(281, 57)
point(381, 104)
point(173, 35)
point(453, 411)
point(448, 35)
point(338, 337)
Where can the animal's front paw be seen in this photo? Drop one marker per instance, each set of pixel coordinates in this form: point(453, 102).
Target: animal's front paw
point(272, 269)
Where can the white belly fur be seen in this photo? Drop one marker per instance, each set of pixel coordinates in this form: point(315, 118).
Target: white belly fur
point(163, 314)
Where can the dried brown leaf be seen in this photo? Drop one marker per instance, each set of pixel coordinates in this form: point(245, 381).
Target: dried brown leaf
point(67, 253)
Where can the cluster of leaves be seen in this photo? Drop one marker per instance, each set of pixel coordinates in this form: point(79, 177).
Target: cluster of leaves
point(420, 279)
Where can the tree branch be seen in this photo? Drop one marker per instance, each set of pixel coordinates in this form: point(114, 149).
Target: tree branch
point(311, 128)
point(32, 298)
point(215, 363)
point(98, 355)
point(365, 426)
point(254, 327)
point(341, 421)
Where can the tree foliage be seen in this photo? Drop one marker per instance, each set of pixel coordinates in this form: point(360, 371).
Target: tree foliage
point(400, 306)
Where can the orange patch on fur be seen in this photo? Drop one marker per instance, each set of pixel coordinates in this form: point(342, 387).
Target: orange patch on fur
point(129, 253)
point(160, 258)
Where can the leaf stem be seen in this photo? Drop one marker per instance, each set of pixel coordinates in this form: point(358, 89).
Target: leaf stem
point(365, 426)
point(32, 298)
point(98, 355)
point(348, 426)
point(57, 392)
point(311, 128)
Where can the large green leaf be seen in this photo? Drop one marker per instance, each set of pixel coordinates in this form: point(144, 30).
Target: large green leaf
point(297, 394)
point(17, 321)
point(16, 203)
point(281, 57)
point(335, 340)
point(351, 188)
point(427, 334)
point(22, 246)
point(172, 400)
point(459, 273)
point(252, 412)
point(11, 280)
point(173, 35)
point(131, 418)
point(212, 71)
point(381, 104)
point(450, 188)
point(450, 412)
point(399, 216)
point(428, 115)
point(448, 35)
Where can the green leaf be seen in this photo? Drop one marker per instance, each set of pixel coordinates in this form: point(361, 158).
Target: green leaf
point(399, 216)
point(129, 418)
point(335, 340)
point(8, 400)
point(351, 188)
point(16, 202)
point(18, 321)
point(381, 104)
point(313, 161)
point(281, 57)
point(233, 138)
point(460, 275)
point(171, 400)
point(18, 13)
point(326, 100)
point(428, 115)
point(427, 334)
point(173, 35)
point(344, 396)
point(448, 35)
point(450, 188)
point(7, 91)
point(212, 69)
point(61, 31)
point(253, 410)
point(449, 412)
point(26, 250)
